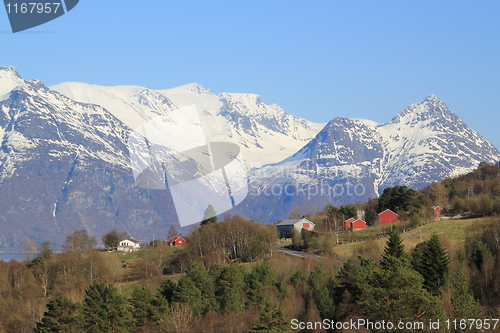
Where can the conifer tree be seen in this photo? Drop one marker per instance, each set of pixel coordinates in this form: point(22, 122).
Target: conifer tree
point(257, 281)
point(416, 255)
point(481, 254)
point(397, 294)
point(271, 319)
point(393, 248)
point(297, 277)
point(464, 304)
point(316, 280)
point(322, 292)
point(199, 275)
point(433, 265)
point(147, 308)
point(104, 310)
point(61, 316)
point(209, 216)
point(229, 284)
point(325, 302)
point(188, 293)
point(167, 289)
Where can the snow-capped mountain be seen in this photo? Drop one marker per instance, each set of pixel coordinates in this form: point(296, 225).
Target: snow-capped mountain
point(64, 166)
point(65, 156)
point(352, 160)
point(265, 133)
point(65, 161)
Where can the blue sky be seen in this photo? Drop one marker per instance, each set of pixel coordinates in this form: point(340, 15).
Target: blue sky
point(316, 59)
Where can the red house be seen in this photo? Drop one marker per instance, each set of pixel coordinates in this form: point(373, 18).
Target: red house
point(176, 241)
point(437, 210)
point(387, 216)
point(358, 225)
point(348, 223)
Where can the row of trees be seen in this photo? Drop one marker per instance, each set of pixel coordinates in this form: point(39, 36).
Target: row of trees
point(235, 238)
point(209, 296)
point(477, 192)
point(25, 287)
point(176, 306)
point(482, 248)
point(80, 265)
point(403, 287)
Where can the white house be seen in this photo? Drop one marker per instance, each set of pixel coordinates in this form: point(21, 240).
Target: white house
point(128, 245)
point(285, 227)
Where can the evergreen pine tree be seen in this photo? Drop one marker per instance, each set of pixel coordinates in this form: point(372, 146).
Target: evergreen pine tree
point(167, 289)
point(147, 308)
point(322, 292)
point(229, 284)
point(199, 275)
point(396, 294)
point(104, 310)
point(209, 216)
point(393, 248)
point(258, 280)
point(416, 255)
point(481, 254)
point(297, 277)
point(271, 319)
point(464, 304)
point(348, 211)
point(188, 293)
point(433, 265)
point(61, 316)
point(325, 302)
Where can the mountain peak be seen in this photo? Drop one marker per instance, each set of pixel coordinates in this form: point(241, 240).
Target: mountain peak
point(430, 108)
point(432, 98)
point(196, 87)
point(9, 79)
point(246, 98)
point(9, 69)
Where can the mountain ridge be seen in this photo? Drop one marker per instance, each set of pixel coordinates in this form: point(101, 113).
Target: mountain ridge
point(65, 160)
point(423, 143)
point(235, 117)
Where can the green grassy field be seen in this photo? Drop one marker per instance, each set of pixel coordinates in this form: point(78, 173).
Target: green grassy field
point(451, 232)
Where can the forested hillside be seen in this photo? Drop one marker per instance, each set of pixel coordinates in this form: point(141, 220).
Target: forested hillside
point(231, 278)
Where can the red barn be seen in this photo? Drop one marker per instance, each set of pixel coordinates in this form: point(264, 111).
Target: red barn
point(176, 240)
point(387, 216)
point(358, 225)
point(348, 223)
point(437, 210)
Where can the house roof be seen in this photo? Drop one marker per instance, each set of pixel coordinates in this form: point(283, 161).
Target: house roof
point(293, 221)
point(289, 222)
point(386, 211)
point(127, 239)
point(350, 220)
point(173, 239)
